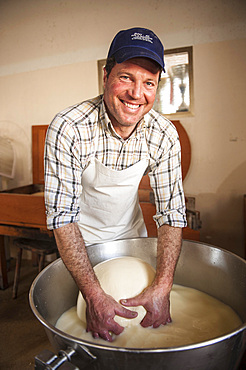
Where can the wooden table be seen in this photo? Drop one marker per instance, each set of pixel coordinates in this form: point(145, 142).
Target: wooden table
point(22, 215)
point(22, 210)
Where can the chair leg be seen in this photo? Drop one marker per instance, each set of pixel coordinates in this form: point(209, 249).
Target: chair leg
point(17, 273)
point(35, 259)
point(41, 262)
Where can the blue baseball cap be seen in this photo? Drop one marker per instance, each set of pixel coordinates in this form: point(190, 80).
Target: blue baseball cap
point(137, 42)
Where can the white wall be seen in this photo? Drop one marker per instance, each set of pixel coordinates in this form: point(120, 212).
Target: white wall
point(49, 51)
point(217, 177)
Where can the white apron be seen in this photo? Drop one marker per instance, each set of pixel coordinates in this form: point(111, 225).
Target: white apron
point(109, 207)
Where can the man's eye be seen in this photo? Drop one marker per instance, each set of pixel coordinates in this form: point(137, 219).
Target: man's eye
point(125, 77)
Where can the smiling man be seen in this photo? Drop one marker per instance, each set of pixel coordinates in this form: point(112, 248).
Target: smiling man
point(130, 91)
point(96, 153)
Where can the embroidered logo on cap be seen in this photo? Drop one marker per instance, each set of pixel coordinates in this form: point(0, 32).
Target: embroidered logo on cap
point(140, 36)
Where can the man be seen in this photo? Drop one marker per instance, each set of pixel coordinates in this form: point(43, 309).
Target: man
point(96, 154)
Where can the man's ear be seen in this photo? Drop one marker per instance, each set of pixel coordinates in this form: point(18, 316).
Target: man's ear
point(104, 76)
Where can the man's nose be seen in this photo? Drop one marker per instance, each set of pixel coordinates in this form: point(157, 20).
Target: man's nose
point(136, 90)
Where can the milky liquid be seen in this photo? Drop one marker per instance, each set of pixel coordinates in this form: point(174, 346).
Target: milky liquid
point(196, 317)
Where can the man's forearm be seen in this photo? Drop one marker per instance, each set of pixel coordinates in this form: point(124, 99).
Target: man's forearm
point(74, 255)
point(168, 251)
point(101, 308)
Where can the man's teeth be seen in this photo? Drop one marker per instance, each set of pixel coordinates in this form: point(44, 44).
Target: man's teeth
point(133, 106)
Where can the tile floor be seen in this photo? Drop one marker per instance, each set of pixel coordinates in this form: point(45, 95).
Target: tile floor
point(22, 337)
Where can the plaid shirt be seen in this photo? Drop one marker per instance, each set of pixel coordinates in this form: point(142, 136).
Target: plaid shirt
point(70, 144)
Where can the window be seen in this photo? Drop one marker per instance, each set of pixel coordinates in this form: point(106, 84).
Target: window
point(175, 92)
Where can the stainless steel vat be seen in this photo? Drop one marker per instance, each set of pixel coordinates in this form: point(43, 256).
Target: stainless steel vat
point(204, 267)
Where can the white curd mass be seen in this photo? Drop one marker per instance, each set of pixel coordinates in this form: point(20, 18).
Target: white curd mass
point(123, 277)
point(196, 316)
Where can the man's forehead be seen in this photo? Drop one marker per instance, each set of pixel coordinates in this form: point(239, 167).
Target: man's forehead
point(145, 63)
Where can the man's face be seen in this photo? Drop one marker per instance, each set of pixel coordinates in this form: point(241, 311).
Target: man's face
point(129, 93)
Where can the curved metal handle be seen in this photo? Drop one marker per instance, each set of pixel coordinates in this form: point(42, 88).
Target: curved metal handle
point(89, 354)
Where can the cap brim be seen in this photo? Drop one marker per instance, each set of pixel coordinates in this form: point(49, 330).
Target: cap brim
point(127, 53)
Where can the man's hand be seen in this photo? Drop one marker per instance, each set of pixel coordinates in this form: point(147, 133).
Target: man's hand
point(156, 304)
point(100, 313)
point(155, 298)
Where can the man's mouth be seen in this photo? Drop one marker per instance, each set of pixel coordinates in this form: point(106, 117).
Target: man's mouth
point(130, 105)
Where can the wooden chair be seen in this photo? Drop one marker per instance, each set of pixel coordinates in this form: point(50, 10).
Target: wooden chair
point(39, 247)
